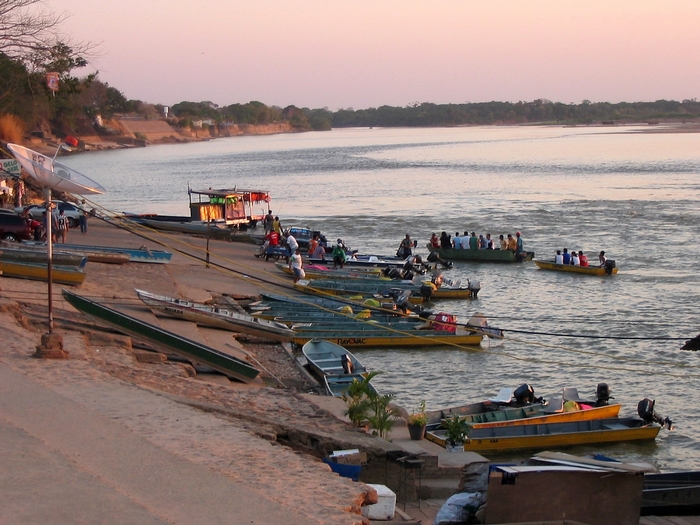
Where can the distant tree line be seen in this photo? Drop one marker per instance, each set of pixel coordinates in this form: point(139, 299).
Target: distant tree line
point(32, 46)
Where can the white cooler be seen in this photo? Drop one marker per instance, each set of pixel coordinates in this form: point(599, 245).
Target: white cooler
point(385, 506)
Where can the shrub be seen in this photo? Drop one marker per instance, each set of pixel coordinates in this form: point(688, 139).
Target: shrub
point(11, 128)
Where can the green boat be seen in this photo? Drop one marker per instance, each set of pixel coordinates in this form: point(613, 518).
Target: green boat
point(230, 366)
point(489, 256)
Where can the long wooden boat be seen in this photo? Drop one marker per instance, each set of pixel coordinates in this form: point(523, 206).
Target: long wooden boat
point(69, 275)
point(671, 494)
point(370, 262)
point(140, 255)
point(488, 256)
point(583, 270)
point(98, 257)
point(59, 258)
point(217, 317)
point(550, 435)
point(231, 366)
point(354, 287)
point(324, 272)
point(189, 227)
point(326, 358)
point(386, 338)
point(603, 412)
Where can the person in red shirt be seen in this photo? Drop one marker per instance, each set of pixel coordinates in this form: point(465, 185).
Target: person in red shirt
point(583, 260)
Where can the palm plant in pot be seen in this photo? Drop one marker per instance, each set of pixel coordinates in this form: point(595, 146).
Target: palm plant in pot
point(416, 423)
point(457, 431)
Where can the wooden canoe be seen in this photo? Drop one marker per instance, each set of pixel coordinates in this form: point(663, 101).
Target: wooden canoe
point(583, 270)
point(387, 338)
point(321, 272)
point(226, 364)
point(113, 255)
point(69, 275)
point(217, 317)
point(28, 255)
point(486, 256)
point(551, 435)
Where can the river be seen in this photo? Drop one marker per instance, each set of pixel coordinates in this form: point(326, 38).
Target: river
point(631, 193)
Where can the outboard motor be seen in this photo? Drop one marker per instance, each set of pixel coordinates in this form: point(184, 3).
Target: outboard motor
point(609, 265)
point(524, 394)
point(602, 395)
point(692, 344)
point(645, 409)
point(433, 257)
point(426, 291)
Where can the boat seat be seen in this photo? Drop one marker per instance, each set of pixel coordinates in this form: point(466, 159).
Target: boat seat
point(571, 394)
point(615, 426)
point(505, 395)
point(328, 360)
point(554, 406)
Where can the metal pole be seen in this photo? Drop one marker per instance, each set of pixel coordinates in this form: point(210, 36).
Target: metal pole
point(49, 254)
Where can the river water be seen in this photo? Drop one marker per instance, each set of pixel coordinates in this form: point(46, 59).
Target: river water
point(631, 193)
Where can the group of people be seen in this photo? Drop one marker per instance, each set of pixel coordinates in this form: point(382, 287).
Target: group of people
point(474, 242)
point(577, 258)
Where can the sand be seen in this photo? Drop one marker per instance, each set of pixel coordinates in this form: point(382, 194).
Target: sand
point(103, 438)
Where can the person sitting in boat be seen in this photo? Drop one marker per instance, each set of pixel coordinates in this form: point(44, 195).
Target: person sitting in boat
point(519, 246)
point(512, 243)
point(489, 242)
point(320, 250)
point(602, 259)
point(445, 242)
point(434, 241)
point(457, 241)
point(582, 258)
point(558, 258)
point(566, 256)
point(465, 241)
point(575, 261)
point(339, 256)
point(482, 242)
point(405, 248)
point(502, 243)
point(473, 242)
point(312, 245)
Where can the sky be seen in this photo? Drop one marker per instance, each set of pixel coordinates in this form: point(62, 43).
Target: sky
point(368, 53)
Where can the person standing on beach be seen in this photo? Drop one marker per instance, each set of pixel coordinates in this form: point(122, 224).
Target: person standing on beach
point(267, 221)
point(295, 264)
point(277, 226)
point(62, 227)
point(83, 216)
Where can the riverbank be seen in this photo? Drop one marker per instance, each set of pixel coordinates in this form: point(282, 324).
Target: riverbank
point(110, 436)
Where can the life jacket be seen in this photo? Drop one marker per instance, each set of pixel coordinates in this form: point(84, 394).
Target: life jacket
point(445, 322)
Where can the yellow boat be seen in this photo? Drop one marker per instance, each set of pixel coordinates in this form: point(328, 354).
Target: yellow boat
point(39, 272)
point(585, 270)
point(603, 412)
point(523, 437)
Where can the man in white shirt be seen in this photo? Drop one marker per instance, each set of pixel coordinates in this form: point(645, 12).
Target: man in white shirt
point(558, 258)
point(292, 245)
point(295, 264)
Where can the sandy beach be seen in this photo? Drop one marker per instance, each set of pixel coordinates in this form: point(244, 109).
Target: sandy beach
point(102, 437)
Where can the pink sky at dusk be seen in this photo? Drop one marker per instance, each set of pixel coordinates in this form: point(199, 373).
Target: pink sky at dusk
point(364, 53)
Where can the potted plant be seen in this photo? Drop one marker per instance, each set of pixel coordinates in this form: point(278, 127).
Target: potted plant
point(416, 423)
point(457, 432)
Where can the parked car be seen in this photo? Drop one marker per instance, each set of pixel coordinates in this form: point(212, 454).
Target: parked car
point(14, 228)
point(71, 211)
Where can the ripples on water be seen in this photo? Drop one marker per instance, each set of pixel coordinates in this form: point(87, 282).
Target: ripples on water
point(633, 195)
